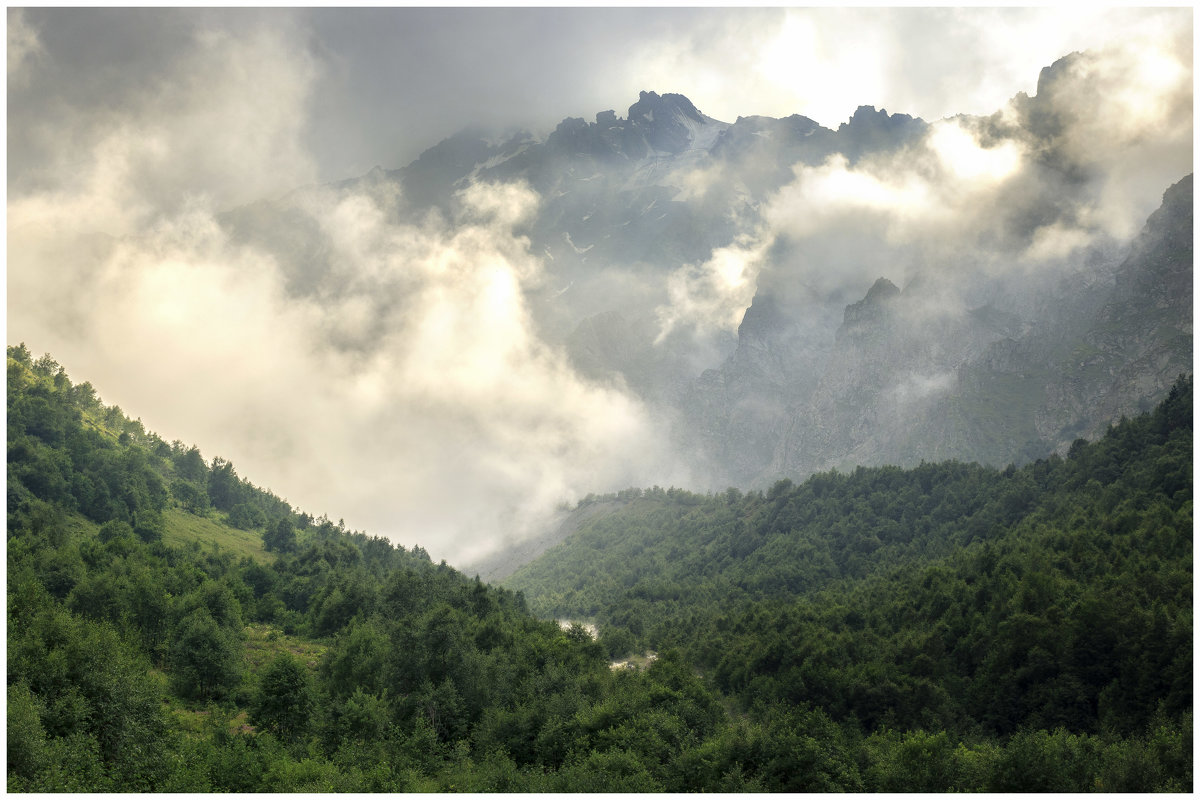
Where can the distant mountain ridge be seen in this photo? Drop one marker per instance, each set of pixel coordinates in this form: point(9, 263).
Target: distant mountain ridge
point(1002, 369)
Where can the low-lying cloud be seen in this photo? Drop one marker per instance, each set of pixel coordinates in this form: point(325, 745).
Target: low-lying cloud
point(407, 392)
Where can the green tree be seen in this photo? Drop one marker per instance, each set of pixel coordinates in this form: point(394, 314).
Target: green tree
point(27, 747)
point(190, 496)
point(284, 701)
point(280, 537)
point(206, 660)
point(356, 660)
point(247, 516)
point(190, 466)
point(224, 486)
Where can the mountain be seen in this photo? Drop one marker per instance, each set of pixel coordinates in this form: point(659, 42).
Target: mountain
point(974, 309)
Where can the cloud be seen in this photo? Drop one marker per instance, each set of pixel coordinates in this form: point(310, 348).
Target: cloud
point(220, 121)
point(1120, 118)
point(928, 62)
point(24, 46)
point(980, 208)
point(907, 390)
point(713, 295)
point(394, 81)
point(407, 390)
point(1008, 186)
point(454, 426)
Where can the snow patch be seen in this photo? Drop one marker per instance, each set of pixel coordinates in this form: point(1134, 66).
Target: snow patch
point(494, 161)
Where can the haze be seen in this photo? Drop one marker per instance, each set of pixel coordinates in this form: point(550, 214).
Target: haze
point(419, 400)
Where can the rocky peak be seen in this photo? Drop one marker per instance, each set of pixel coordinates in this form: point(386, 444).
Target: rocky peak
point(880, 292)
point(867, 118)
point(1056, 71)
point(1174, 216)
point(761, 318)
point(870, 130)
point(460, 151)
point(667, 121)
point(871, 307)
point(664, 123)
point(650, 105)
point(1039, 114)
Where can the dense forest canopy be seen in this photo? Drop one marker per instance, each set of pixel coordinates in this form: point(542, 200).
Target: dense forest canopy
point(172, 627)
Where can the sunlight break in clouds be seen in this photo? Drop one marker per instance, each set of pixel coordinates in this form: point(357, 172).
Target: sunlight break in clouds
point(928, 62)
point(715, 294)
point(458, 430)
point(961, 153)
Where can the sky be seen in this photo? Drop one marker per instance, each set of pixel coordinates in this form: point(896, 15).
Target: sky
point(383, 84)
point(130, 130)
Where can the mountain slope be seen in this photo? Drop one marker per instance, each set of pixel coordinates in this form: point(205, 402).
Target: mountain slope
point(953, 594)
point(907, 379)
point(342, 663)
point(338, 663)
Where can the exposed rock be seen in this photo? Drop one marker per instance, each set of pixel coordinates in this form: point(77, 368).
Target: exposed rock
point(871, 131)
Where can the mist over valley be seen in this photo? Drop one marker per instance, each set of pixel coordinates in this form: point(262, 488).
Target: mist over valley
point(613, 399)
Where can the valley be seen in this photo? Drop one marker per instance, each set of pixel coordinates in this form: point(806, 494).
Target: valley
point(948, 627)
point(619, 400)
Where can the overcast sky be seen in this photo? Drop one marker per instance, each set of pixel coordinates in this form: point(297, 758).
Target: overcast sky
point(387, 83)
point(130, 130)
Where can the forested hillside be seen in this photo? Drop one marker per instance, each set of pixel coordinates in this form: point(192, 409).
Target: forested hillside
point(949, 597)
point(172, 627)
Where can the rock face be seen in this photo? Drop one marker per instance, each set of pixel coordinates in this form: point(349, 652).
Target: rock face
point(668, 123)
point(871, 131)
point(1130, 352)
point(895, 358)
point(908, 381)
point(735, 411)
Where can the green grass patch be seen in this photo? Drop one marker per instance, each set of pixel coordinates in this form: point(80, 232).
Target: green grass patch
point(265, 642)
point(184, 528)
point(79, 527)
point(200, 723)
